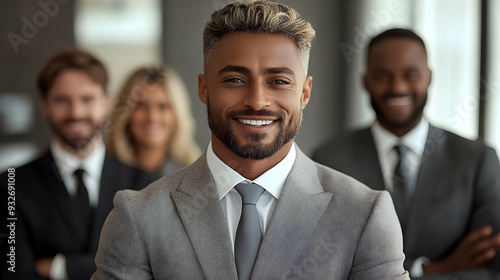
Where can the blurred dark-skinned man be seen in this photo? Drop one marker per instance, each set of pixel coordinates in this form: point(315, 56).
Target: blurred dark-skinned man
point(446, 189)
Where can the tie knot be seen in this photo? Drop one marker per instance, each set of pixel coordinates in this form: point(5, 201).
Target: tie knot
point(401, 150)
point(79, 173)
point(403, 165)
point(249, 192)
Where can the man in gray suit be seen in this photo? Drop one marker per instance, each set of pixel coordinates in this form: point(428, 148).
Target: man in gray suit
point(448, 198)
point(305, 221)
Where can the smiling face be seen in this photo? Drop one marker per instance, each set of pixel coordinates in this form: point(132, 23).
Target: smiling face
point(152, 122)
point(397, 78)
point(255, 88)
point(75, 107)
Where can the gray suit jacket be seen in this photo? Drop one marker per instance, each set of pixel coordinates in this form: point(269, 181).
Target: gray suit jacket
point(325, 226)
point(458, 190)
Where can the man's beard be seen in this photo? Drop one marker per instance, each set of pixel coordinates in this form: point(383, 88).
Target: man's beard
point(407, 124)
point(223, 130)
point(77, 144)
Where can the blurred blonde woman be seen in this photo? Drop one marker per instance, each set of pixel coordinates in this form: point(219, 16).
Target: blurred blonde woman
point(151, 123)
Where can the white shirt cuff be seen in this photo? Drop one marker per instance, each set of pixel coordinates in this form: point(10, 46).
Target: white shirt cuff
point(416, 269)
point(58, 268)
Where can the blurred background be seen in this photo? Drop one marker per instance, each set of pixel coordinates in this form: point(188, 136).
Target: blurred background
point(462, 38)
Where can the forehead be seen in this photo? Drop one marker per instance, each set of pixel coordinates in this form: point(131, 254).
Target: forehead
point(75, 82)
point(397, 53)
point(155, 92)
point(255, 51)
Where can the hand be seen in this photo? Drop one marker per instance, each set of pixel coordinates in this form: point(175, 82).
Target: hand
point(474, 251)
point(42, 267)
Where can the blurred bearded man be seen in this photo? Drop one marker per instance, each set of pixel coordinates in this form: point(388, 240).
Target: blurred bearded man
point(63, 198)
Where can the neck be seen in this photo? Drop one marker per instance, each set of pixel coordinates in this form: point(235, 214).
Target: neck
point(401, 130)
point(248, 168)
point(82, 151)
point(150, 158)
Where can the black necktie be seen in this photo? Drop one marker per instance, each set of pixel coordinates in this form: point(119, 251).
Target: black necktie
point(82, 200)
point(248, 234)
point(400, 182)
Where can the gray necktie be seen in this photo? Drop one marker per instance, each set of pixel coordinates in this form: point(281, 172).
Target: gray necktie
point(400, 181)
point(248, 234)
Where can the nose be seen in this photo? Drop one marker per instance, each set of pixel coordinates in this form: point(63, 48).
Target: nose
point(152, 114)
point(76, 110)
point(399, 86)
point(257, 97)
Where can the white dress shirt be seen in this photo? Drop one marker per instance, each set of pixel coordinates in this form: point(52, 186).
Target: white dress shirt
point(226, 178)
point(388, 157)
point(66, 164)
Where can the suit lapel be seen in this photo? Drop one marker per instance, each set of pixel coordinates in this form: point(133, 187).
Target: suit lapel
point(299, 209)
point(58, 192)
point(198, 205)
point(427, 183)
point(110, 183)
point(367, 160)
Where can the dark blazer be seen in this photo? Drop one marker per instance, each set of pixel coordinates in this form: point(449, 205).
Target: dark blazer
point(325, 226)
point(46, 223)
point(458, 188)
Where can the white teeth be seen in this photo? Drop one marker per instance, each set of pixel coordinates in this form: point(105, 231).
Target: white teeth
point(399, 101)
point(255, 122)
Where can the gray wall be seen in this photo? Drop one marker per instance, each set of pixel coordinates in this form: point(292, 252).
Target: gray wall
point(182, 49)
point(37, 33)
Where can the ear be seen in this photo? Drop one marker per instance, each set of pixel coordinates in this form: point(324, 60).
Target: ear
point(202, 88)
point(107, 103)
point(107, 99)
point(43, 106)
point(365, 81)
point(306, 91)
point(430, 77)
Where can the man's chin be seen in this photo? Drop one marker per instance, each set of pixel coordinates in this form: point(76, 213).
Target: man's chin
point(402, 124)
point(254, 152)
point(76, 144)
point(256, 139)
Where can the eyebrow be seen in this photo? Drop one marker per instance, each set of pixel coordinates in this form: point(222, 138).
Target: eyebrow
point(234, 68)
point(246, 71)
point(412, 68)
point(406, 69)
point(279, 70)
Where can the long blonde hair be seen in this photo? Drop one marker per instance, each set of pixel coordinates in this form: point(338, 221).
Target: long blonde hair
point(182, 149)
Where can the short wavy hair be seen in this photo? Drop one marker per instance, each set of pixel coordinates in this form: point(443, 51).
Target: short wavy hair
point(183, 148)
point(259, 17)
point(71, 59)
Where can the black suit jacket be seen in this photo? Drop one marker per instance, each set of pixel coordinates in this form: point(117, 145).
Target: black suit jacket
point(458, 189)
point(46, 224)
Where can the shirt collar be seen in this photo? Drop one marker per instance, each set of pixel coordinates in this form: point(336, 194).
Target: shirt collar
point(272, 180)
point(415, 139)
point(67, 163)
